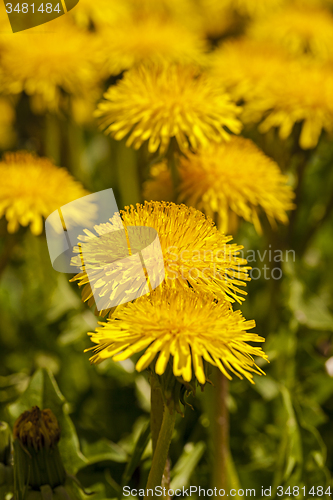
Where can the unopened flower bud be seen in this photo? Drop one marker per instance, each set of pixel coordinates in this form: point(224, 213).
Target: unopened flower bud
point(37, 460)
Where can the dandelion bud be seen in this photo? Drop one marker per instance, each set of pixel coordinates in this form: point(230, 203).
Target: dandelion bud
point(37, 460)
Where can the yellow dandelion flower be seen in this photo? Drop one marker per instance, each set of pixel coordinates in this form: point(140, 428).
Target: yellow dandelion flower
point(236, 176)
point(300, 30)
point(277, 89)
point(158, 102)
point(32, 188)
point(149, 38)
point(46, 63)
point(195, 253)
point(303, 95)
point(184, 328)
point(244, 66)
point(160, 186)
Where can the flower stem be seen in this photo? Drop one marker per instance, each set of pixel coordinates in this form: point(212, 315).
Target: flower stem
point(161, 452)
point(156, 412)
point(128, 175)
point(222, 432)
point(156, 418)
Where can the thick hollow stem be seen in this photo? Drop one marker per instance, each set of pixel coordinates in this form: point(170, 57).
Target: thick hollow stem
point(222, 432)
point(156, 412)
point(161, 452)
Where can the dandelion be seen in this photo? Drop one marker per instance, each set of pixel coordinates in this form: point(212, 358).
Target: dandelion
point(278, 91)
point(158, 102)
point(184, 328)
point(195, 253)
point(238, 177)
point(245, 67)
point(37, 429)
point(36, 436)
point(298, 29)
point(49, 64)
point(32, 188)
point(149, 38)
point(302, 95)
point(38, 467)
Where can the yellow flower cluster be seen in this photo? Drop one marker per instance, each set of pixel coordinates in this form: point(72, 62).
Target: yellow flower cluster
point(188, 321)
point(183, 77)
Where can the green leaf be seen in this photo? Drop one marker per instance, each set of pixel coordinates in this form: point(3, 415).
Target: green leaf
point(186, 464)
point(290, 454)
point(139, 448)
point(312, 311)
point(104, 450)
point(44, 393)
point(267, 387)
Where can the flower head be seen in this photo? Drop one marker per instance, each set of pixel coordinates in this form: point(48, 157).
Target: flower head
point(44, 64)
point(183, 327)
point(238, 177)
point(149, 38)
point(158, 102)
point(37, 461)
point(245, 67)
point(37, 429)
point(278, 91)
point(195, 253)
point(300, 30)
point(302, 95)
point(45, 189)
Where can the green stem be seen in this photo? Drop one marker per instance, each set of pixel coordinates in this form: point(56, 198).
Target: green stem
point(222, 433)
point(156, 412)
point(127, 173)
point(303, 161)
point(156, 418)
point(314, 229)
point(172, 163)
point(161, 452)
point(53, 138)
